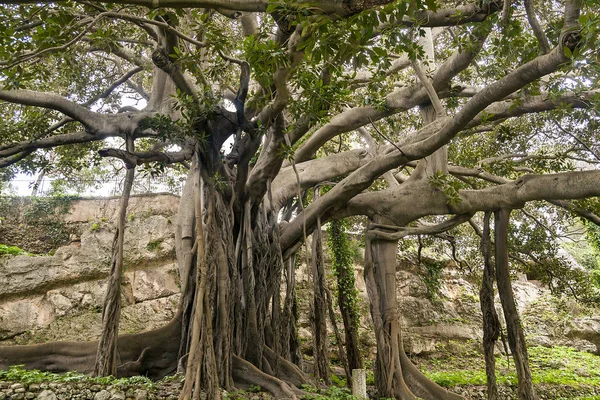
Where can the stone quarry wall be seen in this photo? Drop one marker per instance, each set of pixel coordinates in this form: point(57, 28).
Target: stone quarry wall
point(60, 296)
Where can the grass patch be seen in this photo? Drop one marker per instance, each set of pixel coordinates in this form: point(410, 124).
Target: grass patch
point(154, 245)
point(551, 366)
point(331, 393)
point(11, 250)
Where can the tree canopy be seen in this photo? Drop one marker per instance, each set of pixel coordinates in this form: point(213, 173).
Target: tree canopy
point(416, 114)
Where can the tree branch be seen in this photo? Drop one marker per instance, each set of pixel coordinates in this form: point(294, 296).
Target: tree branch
point(139, 158)
point(48, 142)
point(336, 7)
point(536, 27)
point(51, 101)
point(400, 100)
point(374, 230)
point(6, 161)
point(395, 203)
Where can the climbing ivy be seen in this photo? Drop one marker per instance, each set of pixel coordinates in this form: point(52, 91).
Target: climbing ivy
point(341, 254)
point(431, 276)
point(40, 216)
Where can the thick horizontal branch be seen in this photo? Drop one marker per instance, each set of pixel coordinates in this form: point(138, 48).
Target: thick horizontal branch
point(139, 158)
point(313, 172)
point(397, 204)
point(482, 174)
point(48, 142)
point(514, 108)
point(337, 7)
point(51, 101)
point(97, 126)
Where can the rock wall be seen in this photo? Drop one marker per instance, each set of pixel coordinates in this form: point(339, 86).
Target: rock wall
point(451, 321)
point(60, 296)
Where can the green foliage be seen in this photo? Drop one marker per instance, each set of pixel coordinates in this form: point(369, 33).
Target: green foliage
point(341, 254)
point(12, 250)
point(444, 183)
point(154, 245)
point(555, 366)
point(95, 227)
point(337, 381)
point(331, 393)
point(42, 209)
point(17, 373)
point(432, 276)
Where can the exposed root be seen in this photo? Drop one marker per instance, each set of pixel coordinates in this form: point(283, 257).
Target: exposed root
point(421, 385)
point(152, 353)
point(287, 371)
point(246, 374)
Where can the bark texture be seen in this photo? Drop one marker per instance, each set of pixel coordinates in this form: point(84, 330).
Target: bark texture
point(516, 338)
point(491, 323)
point(106, 356)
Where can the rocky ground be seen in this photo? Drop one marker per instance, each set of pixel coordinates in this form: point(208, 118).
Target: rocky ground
point(169, 390)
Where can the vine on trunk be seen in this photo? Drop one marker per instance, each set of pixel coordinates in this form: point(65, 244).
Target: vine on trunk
point(347, 295)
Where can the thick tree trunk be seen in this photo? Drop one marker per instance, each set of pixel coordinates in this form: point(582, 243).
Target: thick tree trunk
point(491, 323)
point(395, 374)
point(186, 248)
point(201, 351)
point(106, 356)
point(380, 277)
point(252, 344)
point(516, 338)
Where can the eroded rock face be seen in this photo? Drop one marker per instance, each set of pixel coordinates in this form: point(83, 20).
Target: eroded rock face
point(453, 318)
point(60, 297)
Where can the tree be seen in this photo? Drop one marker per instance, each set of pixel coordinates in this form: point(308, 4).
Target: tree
point(454, 103)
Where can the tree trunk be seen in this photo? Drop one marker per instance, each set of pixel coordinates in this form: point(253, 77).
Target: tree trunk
point(201, 347)
point(395, 374)
point(380, 277)
point(516, 339)
point(319, 320)
point(491, 323)
point(106, 356)
point(290, 346)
